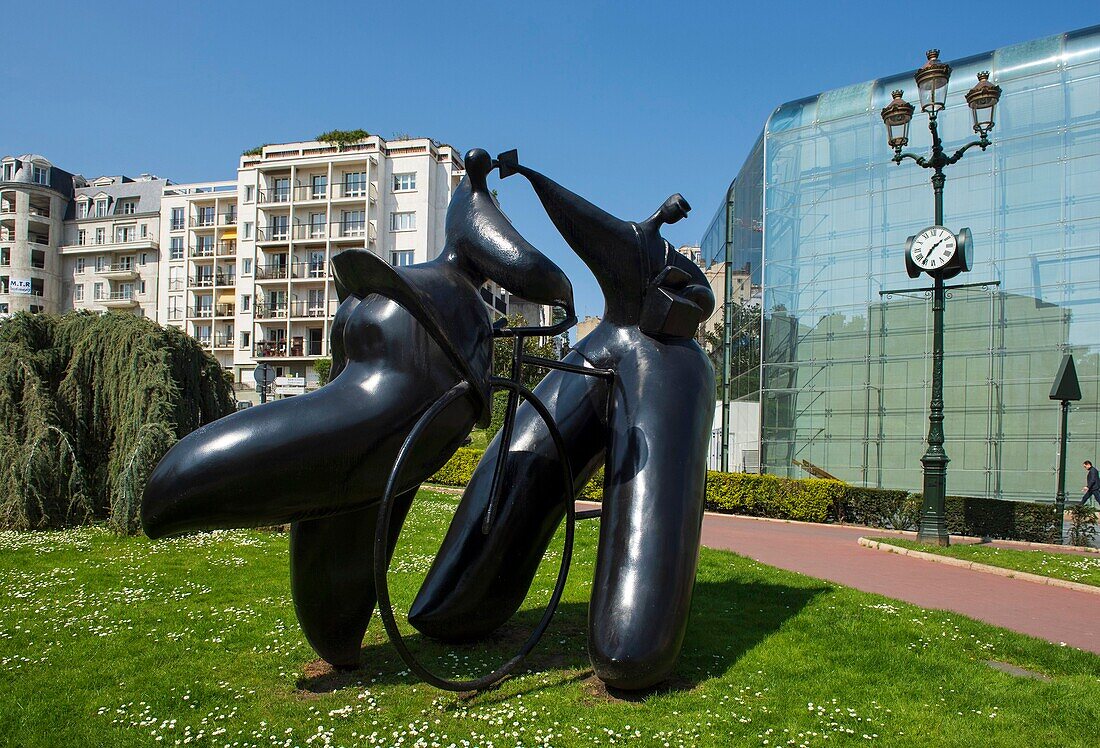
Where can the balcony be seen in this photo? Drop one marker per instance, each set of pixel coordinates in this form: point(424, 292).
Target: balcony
point(355, 191)
point(121, 271)
point(200, 312)
point(212, 281)
point(120, 244)
point(273, 233)
point(355, 229)
point(309, 192)
point(274, 196)
point(202, 250)
point(309, 271)
point(274, 271)
point(119, 299)
point(203, 220)
point(307, 231)
point(272, 311)
point(223, 341)
point(227, 219)
point(307, 310)
point(279, 349)
point(227, 249)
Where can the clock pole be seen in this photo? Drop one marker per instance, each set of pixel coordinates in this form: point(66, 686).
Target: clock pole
point(933, 526)
point(932, 79)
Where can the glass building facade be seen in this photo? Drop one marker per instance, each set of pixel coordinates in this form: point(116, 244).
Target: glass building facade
point(822, 214)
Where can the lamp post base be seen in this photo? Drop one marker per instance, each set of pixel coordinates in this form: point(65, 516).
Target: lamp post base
point(933, 522)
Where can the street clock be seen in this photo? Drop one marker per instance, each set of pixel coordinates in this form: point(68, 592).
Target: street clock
point(938, 252)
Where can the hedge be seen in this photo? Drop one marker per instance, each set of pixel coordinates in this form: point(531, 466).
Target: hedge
point(732, 493)
point(815, 500)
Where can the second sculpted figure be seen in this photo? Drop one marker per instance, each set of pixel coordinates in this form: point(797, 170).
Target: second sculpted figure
point(653, 438)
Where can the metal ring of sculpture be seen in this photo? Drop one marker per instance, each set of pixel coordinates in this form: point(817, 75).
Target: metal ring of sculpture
point(382, 530)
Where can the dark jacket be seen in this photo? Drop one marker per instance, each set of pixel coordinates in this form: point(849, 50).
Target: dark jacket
point(1092, 483)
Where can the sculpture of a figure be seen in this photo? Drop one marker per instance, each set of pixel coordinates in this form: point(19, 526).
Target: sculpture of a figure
point(400, 339)
point(654, 441)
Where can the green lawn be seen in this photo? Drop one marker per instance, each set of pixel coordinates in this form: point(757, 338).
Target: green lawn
point(1073, 567)
point(108, 641)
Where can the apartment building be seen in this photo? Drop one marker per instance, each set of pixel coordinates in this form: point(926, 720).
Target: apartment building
point(34, 195)
point(243, 265)
point(110, 253)
point(197, 283)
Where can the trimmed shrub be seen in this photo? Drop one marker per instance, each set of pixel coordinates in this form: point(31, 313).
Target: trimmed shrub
point(806, 500)
point(878, 507)
point(459, 468)
point(997, 518)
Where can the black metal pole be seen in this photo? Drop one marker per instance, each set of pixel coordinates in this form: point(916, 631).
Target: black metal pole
point(263, 394)
point(1060, 497)
point(933, 527)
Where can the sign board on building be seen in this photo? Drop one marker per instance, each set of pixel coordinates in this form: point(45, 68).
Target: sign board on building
point(20, 285)
point(290, 385)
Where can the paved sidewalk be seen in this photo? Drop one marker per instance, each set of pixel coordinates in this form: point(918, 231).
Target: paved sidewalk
point(831, 552)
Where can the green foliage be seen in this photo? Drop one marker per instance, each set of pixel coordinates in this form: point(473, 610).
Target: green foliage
point(258, 150)
point(502, 354)
point(805, 500)
point(323, 367)
point(878, 507)
point(343, 138)
point(1082, 530)
point(996, 518)
point(88, 405)
point(459, 468)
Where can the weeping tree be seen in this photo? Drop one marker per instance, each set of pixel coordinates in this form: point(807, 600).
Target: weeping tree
point(88, 405)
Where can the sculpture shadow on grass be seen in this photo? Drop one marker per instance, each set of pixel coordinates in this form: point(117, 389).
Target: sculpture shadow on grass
point(728, 619)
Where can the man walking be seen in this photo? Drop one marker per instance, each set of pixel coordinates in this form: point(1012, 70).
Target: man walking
point(1092, 483)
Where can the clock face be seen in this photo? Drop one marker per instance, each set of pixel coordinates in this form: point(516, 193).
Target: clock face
point(933, 248)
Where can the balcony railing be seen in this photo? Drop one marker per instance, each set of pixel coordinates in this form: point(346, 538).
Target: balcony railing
point(272, 311)
point(279, 195)
point(204, 340)
point(280, 349)
point(119, 296)
point(201, 220)
point(310, 230)
point(273, 233)
point(307, 309)
point(203, 250)
point(227, 219)
point(223, 341)
point(96, 242)
point(311, 192)
point(227, 249)
point(200, 312)
point(274, 271)
point(118, 267)
point(210, 281)
point(312, 270)
point(355, 229)
point(350, 190)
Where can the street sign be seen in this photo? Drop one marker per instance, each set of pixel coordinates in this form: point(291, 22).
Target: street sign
point(1066, 386)
point(264, 375)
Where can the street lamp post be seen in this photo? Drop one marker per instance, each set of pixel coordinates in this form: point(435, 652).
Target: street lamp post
point(932, 80)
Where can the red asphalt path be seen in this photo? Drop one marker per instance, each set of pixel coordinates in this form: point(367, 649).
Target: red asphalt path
point(831, 552)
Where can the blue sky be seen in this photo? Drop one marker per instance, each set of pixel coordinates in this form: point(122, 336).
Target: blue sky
point(624, 103)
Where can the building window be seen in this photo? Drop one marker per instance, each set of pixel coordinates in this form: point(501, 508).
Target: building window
point(401, 258)
point(78, 292)
point(354, 222)
point(249, 192)
point(144, 232)
point(40, 174)
point(246, 302)
point(246, 266)
point(141, 287)
point(175, 248)
point(177, 219)
point(38, 259)
point(247, 228)
point(5, 256)
point(3, 284)
point(246, 339)
point(101, 207)
point(4, 306)
point(355, 184)
point(404, 182)
point(97, 291)
point(129, 207)
point(37, 308)
point(124, 234)
point(143, 258)
point(82, 209)
point(403, 221)
point(101, 236)
point(82, 237)
point(8, 167)
point(318, 186)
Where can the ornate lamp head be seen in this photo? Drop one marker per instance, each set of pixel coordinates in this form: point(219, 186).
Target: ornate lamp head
point(932, 79)
point(897, 115)
point(982, 99)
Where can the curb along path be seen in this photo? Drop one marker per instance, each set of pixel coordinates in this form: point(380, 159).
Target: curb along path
point(976, 566)
point(833, 553)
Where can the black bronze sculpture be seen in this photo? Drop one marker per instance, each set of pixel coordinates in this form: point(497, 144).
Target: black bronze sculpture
point(411, 361)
